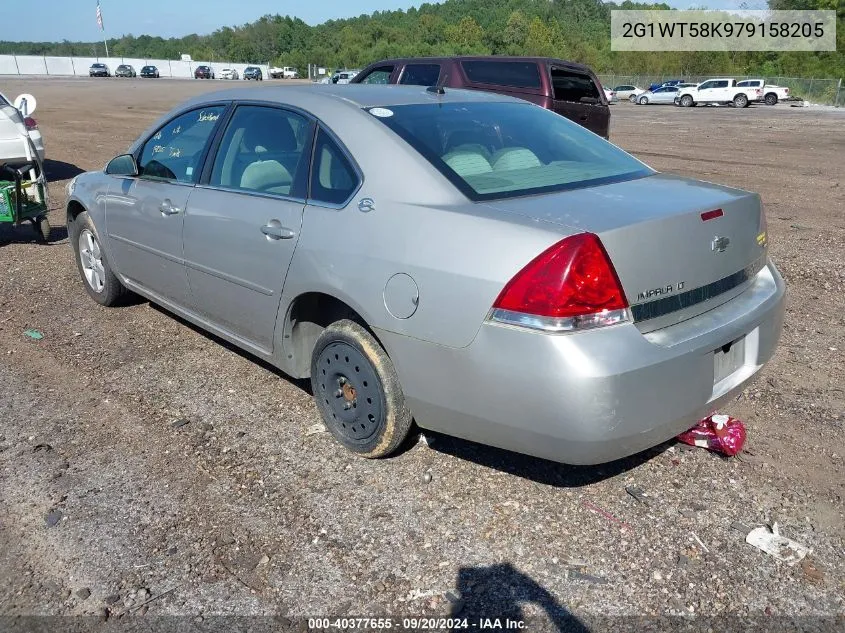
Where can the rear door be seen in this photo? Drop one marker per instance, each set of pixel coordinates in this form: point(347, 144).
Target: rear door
point(723, 91)
point(244, 220)
point(578, 98)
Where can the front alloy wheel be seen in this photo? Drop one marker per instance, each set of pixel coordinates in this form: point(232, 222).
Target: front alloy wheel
point(91, 261)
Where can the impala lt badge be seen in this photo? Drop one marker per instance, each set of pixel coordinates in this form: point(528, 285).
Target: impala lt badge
point(719, 244)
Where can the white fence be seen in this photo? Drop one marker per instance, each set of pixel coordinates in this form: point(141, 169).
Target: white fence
point(78, 66)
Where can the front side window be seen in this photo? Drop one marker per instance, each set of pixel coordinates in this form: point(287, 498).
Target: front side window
point(333, 179)
point(500, 150)
point(175, 151)
point(265, 150)
point(495, 73)
point(420, 75)
point(574, 87)
point(380, 75)
point(705, 85)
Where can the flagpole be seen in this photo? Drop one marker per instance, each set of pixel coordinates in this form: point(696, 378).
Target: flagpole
point(102, 28)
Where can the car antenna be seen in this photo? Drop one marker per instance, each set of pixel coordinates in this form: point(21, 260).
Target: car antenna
point(438, 90)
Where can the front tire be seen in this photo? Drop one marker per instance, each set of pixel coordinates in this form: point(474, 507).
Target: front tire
point(740, 101)
point(686, 101)
point(771, 99)
point(100, 282)
point(357, 391)
point(643, 100)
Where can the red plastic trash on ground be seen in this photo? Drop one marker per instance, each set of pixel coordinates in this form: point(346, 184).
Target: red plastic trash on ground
point(720, 433)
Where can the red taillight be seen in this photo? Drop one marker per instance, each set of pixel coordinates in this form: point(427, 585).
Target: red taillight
point(31, 124)
point(710, 215)
point(786, 91)
point(573, 278)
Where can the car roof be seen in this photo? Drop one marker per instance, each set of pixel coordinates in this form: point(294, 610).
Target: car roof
point(327, 97)
point(483, 58)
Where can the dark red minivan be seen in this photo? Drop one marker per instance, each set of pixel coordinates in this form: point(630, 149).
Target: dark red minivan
point(565, 87)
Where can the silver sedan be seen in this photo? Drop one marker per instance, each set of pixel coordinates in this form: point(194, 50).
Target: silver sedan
point(661, 96)
point(465, 260)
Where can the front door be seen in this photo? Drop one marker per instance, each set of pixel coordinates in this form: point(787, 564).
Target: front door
point(145, 215)
point(576, 96)
point(243, 223)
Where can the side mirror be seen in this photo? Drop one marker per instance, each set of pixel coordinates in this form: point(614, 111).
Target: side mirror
point(123, 165)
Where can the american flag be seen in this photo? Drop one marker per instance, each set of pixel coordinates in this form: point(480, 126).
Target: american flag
point(99, 16)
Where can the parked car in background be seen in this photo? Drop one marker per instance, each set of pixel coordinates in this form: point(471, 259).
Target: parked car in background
point(16, 131)
point(125, 70)
point(596, 317)
point(286, 72)
point(771, 94)
point(567, 88)
point(253, 73)
point(204, 72)
point(229, 73)
point(150, 72)
point(627, 91)
point(671, 82)
point(718, 91)
point(659, 96)
point(609, 94)
point(99, 70)
point(344, 76)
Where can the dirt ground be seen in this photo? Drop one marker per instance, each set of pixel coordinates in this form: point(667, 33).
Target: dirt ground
point(141, 459)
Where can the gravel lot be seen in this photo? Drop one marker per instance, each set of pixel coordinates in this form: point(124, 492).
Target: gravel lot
point(140, 456)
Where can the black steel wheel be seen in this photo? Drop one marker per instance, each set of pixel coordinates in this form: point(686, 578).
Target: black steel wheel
point(771, 99)
point(357, 390)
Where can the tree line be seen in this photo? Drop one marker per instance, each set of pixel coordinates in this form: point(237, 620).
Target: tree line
point(577, 30)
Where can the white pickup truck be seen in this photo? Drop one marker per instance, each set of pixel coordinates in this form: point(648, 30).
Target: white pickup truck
point(722, 91)
point(771, 93)
point(284, 73)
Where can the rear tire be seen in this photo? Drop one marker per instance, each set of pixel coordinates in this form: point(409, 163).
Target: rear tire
point(100, 282)
point(771, 99)
point(740, 101)
point(357, 391)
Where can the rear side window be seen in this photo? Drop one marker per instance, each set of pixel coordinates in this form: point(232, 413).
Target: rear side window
point(573, 86)
point(420, 75)
point(514, 74)
point(380, 75)
point(720, 84)
point(333, 179)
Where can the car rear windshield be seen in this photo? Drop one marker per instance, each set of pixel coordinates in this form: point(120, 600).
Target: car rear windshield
point(501, 150)
point(496, 73)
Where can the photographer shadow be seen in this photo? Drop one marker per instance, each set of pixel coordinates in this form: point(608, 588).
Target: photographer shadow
point(498, 592)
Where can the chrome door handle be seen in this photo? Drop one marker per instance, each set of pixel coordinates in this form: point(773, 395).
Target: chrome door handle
point(167, 208)
point(275, 231)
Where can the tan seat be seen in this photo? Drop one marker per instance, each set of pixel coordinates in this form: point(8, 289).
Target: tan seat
point(267, 175)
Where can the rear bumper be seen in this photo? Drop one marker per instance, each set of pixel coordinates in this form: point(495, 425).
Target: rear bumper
point(14, 150)
point(590, 397)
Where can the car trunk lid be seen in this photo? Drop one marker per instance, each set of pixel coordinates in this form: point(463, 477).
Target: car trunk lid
point(680, 247)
